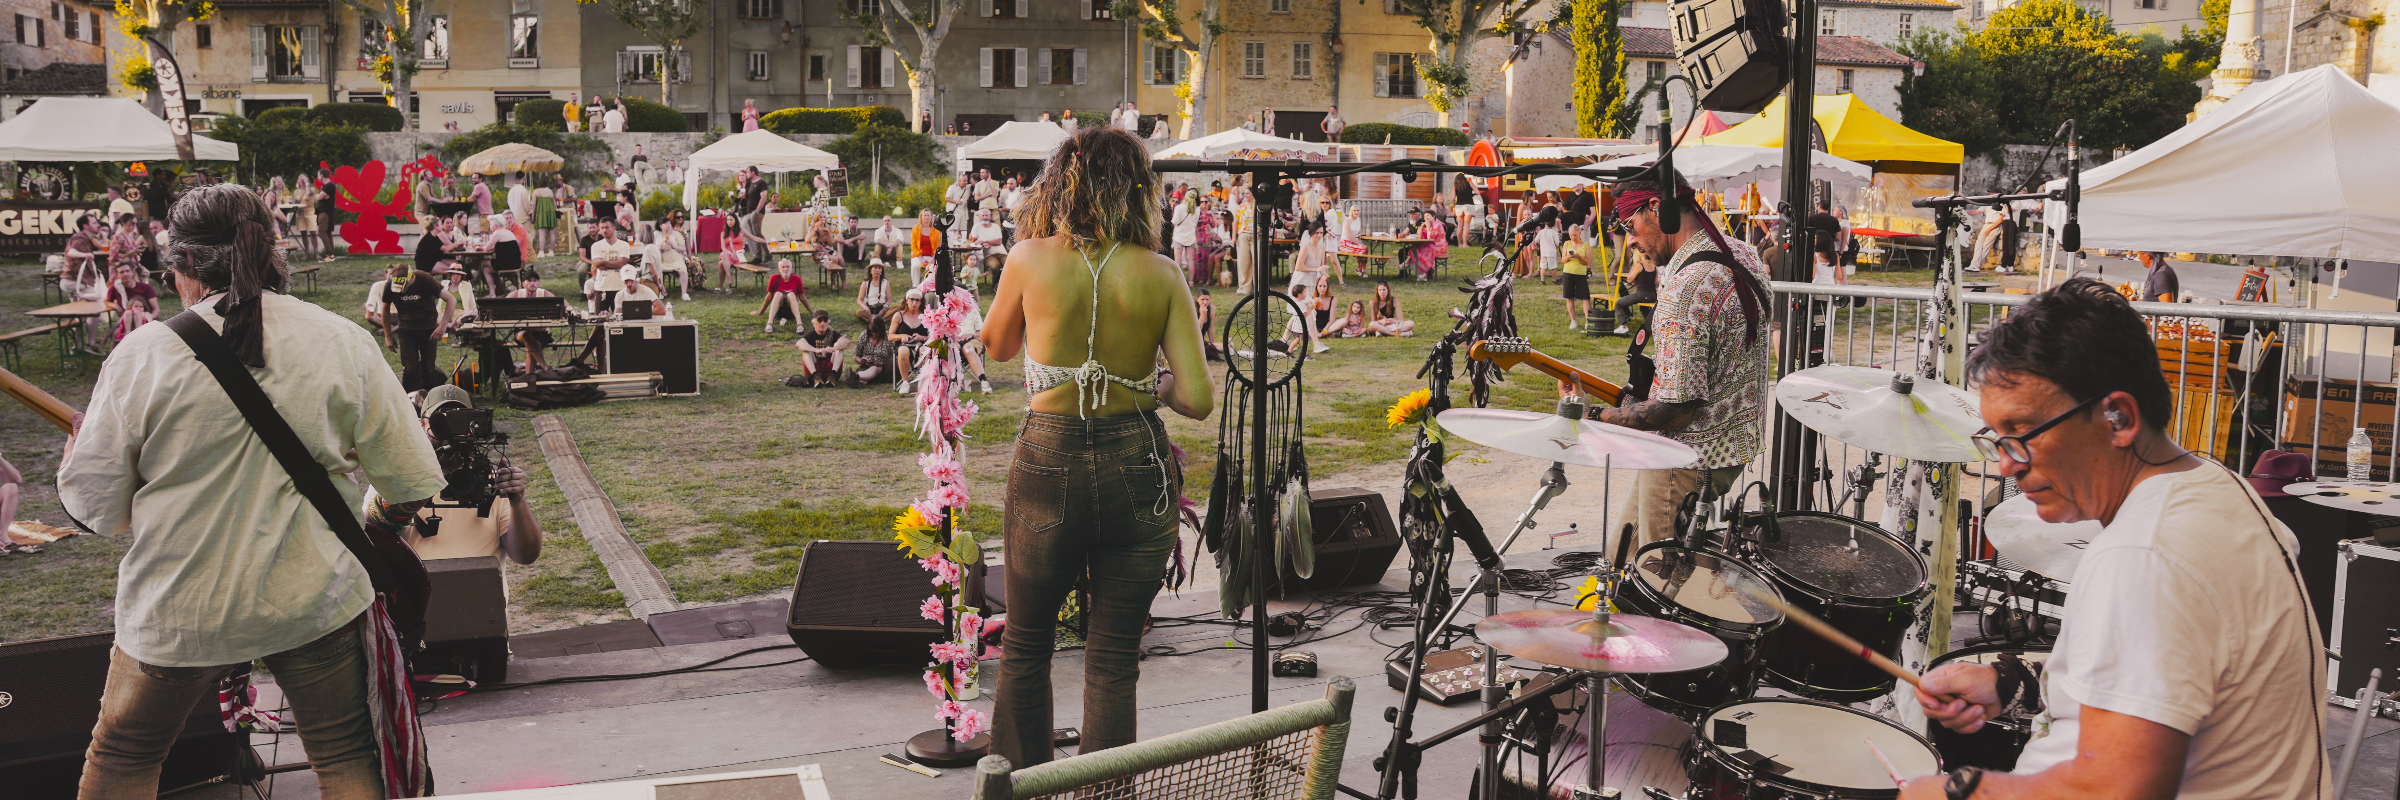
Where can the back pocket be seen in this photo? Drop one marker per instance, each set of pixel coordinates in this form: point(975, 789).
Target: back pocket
point(1146, 490)
point(1037, 496)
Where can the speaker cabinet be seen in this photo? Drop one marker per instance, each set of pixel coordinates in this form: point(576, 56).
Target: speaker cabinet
point(669, 347)
point(49, 701)
point(854, 604)
point(2366, 618)
point(466, 619)
point(1734, 50)
point(1355, 537)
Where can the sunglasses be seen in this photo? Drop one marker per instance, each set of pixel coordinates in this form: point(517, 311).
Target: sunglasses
point(2016, 448)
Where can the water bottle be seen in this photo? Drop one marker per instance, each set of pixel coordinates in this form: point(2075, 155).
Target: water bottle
point(2362, 455)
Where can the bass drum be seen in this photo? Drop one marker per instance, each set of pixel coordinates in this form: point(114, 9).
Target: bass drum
point(1710, 591)
point(1996, 746)
point(1790, 749)
point(1857, 578)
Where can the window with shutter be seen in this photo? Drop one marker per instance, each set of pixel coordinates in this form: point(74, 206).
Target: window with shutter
point(41, 33)
point(1098, 9)
point(74, 23)
point(1183, 64)
point(437, 43)
point(1846, 80)
point(1908, 25)
point(887, 73)
point(91, 28)
point(983, 55)
point(986, 6)
point(1017, 63)
point(755, 63)
point(1043, 64)
point(1149, 68)
point(1279, 6)
point(1383, 74)
point(1083, 74)
point(312, 43)
point(852, 79)
point(258, 53)
point(1304, 61)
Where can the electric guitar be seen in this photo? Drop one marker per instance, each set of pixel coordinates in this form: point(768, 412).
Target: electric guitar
point(58, 413)
point(1511, 352)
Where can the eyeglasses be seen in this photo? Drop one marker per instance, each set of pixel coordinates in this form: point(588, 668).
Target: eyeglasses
point(2016, 447)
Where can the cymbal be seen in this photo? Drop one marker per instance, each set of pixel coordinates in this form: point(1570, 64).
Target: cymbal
point(1551, 437)
point(1564, 637)
point(2054, 549)
point(1860, 406)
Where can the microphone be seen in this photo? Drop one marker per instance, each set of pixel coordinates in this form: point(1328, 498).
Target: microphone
point(1466, 528)
point(2070, 235)
point(1670, 214)
point(1549, 214)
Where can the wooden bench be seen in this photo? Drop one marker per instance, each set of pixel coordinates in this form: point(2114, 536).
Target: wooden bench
point(309, 272)
point(50, 284)
point(755, 270)
point(9, 342)
point(1368, 263)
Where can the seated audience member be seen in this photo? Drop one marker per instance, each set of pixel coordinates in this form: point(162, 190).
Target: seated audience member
point(134, 300)
point(511, 531)
point(828, 247)
point(1206, 310)
point(435, 244)
point(874, 294)
point(988, 235)
point(908, 336)
point(874, 352)
point(1384, 317)
point(971, 346)
point(454, 279)
point(667, 255)
point(821, 351)
point(638, 290)
point(1351, 325)
point(508, 249)
point(787, 294)
point(374, 307)
point(534, 339)
point(890, 242)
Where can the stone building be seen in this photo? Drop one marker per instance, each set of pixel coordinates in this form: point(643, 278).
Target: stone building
point(1299, 57)
point(56, 49)
point(250, 56)
point(1003, 60)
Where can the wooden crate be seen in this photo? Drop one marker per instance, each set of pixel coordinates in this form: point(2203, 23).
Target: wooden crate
point(2193, 426)
point(2197, 361)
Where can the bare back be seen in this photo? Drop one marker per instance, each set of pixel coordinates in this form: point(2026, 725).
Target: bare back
point(1044, 307)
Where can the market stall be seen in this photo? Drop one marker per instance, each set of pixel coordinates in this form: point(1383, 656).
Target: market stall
point(1017, 148)
point(1907, 165)
point(766, 150)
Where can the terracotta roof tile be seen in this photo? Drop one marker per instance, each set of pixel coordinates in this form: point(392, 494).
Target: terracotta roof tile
point(61, 79)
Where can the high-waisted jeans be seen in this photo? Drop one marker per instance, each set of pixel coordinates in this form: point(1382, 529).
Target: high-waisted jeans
point(1094, 496)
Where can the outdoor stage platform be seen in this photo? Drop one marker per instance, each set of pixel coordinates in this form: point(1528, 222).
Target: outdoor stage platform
point(842, 720)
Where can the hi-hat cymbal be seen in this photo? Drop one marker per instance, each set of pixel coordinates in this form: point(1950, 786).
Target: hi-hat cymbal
point(2050, 548)
point(1551, 437)
point(1861, 407)
point(1570, 638)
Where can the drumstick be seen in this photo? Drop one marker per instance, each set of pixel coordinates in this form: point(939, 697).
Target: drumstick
point(1888, 769)
point(58, 413)
point(1838, 638)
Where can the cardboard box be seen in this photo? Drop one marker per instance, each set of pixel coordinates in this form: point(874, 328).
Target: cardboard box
point(2333, 429)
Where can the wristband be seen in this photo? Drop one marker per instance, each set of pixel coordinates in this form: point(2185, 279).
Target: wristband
point(1962, 783)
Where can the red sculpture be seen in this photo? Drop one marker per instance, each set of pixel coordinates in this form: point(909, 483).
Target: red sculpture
point(358, 189)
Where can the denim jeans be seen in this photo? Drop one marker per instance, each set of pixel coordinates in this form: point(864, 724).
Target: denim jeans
point(1092, 496)
point(145, 705)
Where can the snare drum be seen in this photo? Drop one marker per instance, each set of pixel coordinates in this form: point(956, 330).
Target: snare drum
point(1997, 745)
point(1859, 579)
point(1787, 748)
point(1712, 592)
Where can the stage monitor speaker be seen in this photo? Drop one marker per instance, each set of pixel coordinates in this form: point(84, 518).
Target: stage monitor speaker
point(466, 619)
point(854, 604)
point(670, 348)
point(1735, 51)
point(49, 701)
point(1355, 537)
point(2366, 619)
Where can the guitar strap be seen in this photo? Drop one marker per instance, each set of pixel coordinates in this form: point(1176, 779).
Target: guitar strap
point(1745, 284)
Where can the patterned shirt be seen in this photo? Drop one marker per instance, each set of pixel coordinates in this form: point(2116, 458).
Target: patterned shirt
point(1703, 354)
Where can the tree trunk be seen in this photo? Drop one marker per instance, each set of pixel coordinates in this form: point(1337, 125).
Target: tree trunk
point(404, 64)
point(918, 111)
point(1196, 100)
point(666, 74)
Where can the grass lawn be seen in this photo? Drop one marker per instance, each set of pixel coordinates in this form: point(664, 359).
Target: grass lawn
point(722, 488)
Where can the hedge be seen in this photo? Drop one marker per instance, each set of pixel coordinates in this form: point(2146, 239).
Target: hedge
point(541, 113)
point(830, 120)
point(1375, 133)
point(379, 117)
point(647, 116)
point(281, 115)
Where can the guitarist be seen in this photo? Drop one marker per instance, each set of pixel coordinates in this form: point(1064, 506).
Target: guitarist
point(1711, 349)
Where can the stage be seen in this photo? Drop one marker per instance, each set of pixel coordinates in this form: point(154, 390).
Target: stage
point(806, 714)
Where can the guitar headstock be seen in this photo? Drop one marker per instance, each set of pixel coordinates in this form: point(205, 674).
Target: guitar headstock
point(1505, 351)
point(1507, 344)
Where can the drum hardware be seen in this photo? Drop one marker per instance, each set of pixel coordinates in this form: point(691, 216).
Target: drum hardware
point(1598, 644)
point(1998, 743)
point(1402, 760)
point(1862, 483)
point(1554, 536)
point(2358, 730)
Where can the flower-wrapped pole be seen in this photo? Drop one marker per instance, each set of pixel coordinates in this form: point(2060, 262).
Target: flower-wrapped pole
point(929, 531)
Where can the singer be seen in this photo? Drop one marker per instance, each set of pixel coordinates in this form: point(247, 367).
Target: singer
point(1712, 350)
point(1093, 488)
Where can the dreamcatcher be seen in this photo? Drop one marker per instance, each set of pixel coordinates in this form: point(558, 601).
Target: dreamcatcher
point(1228, 529)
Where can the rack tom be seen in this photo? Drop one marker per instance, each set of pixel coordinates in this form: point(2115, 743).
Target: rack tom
point(1859, 579)
point(1714, 593)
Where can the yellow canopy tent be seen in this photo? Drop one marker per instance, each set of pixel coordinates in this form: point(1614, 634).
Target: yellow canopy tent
point(1855, 132)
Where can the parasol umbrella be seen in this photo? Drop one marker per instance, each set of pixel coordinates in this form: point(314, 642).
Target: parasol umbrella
point(511, 157)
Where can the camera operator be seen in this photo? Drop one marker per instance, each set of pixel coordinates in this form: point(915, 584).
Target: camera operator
point(510, 530)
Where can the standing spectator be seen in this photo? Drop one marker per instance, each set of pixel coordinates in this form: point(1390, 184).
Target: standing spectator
point(593, 114)
point(1187, 233)
point(229, 564)
point(1245, 238)
point(1012, 197)
point(1987, 237)
point(1066, 122)
point(613, 120)
point(84, 272)
point(1333, 124)
point(1575, 269)
point(753, 210)
point(415, 313)
point(986, 191)
point(573, 111)
point(1546, 241)
point(1250, 123)
point(304, 217)
point(1266, 121)
point(120, 208)
point(604, 257)
point(639, 165)
point(545, 221)
point(2160, 286)
point(957, 195)
point(481, 196)
point(820, 349)
point(749, 115)
point(1158, 130)
point(925, 122)
point(1824, 232)
point(520, 199)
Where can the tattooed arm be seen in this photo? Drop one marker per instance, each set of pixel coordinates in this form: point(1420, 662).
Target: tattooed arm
point(1651, 415)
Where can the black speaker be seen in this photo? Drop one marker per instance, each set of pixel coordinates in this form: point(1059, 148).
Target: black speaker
point(466, 619)
point(1735, 51)
point(854, 604)
point(670, 348)
point(1356, 542)
point(49, 702)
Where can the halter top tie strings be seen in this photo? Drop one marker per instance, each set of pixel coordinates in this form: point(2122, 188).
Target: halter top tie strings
point(1091, 378)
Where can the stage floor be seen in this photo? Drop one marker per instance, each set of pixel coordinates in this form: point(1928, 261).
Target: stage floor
point(806, 714)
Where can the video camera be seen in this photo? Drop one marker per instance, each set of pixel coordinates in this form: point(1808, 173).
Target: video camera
point(466, 445)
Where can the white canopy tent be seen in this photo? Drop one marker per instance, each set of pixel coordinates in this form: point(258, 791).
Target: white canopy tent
point(1239, 140)
point(1032, 141)
point(1584, 151)
point(98, 129)
point(766, 150)
point(1738, 165)
point(2305, 165)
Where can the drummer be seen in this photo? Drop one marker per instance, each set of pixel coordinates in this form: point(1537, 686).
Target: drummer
point(1712, 354)
point(2187, 663)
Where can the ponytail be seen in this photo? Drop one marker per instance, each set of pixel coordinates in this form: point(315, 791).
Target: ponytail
point(219, 236)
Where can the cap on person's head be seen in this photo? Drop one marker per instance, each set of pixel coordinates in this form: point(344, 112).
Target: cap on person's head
point(441, 397)
point(530, 276)
point(821, 316)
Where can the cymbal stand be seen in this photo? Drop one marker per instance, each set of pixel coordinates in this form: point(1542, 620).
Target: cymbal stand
point(1862, 482)
point(1595, 712)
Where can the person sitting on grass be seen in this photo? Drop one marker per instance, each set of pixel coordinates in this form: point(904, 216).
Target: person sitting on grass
point(874, 353)
point(786, 293)
point(1384, 317)
point(1206, 310)
point(1351, 325)
point(534, 339)
point(821, 351)
point(908, 336)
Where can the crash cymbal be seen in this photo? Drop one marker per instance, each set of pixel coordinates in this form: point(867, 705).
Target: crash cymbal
point(1567, 637)
point(1864, 407)
point(1551, 437)
point(2050, 548)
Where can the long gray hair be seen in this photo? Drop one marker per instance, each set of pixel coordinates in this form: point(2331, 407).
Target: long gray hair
point(221, 235)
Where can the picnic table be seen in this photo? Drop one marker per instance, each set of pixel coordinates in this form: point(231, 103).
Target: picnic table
point(65, 316)
point(1404, 247)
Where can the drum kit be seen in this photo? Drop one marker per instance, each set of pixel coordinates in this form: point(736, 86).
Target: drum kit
point(1696, 626)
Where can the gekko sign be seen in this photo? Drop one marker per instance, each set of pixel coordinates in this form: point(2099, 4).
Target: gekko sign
point(34, 227)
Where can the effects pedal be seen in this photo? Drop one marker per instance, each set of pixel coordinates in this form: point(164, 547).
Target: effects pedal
point(1450, 675)
point(1295, 664)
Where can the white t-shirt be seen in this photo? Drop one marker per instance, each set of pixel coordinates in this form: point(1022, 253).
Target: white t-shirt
point(520, 202)
point(225, 560)
point(1547, 240)
point(1187, 225)
point(2186, 613)
point(614, 120)
point(989, 232)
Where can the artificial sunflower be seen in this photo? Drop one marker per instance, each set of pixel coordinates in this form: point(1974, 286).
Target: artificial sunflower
point(1410, 408)
point(914, 532)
